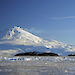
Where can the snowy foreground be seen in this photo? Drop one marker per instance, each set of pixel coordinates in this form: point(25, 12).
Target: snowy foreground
point(35, 65)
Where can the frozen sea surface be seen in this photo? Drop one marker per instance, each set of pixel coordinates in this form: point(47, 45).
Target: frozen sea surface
point(37, 65)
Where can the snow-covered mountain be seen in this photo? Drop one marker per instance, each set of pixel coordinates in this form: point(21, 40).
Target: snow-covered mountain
point(18, 36)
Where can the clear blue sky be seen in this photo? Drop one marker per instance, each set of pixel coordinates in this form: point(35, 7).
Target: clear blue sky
point(49, 19)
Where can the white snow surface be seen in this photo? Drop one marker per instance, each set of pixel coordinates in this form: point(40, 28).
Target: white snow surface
point(19, 36)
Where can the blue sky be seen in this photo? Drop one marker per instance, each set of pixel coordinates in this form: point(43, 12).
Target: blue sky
point(49, 19)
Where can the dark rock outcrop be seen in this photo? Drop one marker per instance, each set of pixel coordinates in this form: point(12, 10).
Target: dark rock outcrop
point(48, 54)
point(36, 54)
point(71, 55)
point(27, 54)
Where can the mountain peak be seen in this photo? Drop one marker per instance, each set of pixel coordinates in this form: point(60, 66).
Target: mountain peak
point(19, 36)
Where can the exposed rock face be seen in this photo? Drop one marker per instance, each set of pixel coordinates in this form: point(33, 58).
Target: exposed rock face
point(36, 54)
point(48, 54)
point(71, 55)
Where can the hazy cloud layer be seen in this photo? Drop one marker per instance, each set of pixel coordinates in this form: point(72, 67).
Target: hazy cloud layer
point(61, 18)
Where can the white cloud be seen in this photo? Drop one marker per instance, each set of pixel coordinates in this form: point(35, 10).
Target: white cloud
point(70, 49)
point(60, 18)
point(10, 52)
